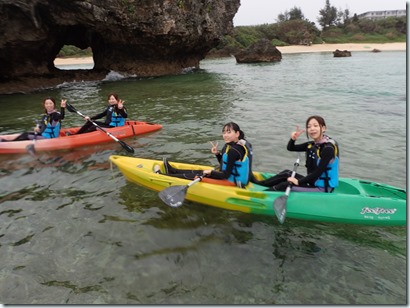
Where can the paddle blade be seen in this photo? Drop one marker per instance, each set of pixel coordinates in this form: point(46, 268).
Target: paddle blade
point(70, 108)
point(279, 206)
point(173, 196)
point(31, 150)
point(126, 146)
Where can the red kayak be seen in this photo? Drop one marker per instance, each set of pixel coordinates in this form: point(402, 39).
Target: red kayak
point(67, 140)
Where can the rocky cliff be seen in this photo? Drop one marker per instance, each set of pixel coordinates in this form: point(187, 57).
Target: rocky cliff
point(137, 37)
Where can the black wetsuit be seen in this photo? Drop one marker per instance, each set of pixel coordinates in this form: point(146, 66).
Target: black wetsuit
point(314, 171)
point(235, 153)
point(52, 119)
point(107, 113)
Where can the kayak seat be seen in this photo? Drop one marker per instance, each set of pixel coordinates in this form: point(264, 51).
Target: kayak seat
point(218, 182)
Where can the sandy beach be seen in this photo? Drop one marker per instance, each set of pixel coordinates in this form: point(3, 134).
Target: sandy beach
point(350, 47)
point(285, 49)
point(69, 61)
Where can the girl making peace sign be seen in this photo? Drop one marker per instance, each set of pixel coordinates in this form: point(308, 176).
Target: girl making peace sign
point(322, 161)
point(235, 159)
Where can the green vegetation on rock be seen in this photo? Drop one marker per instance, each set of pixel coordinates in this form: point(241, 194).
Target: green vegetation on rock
point(292, 28)
point(302, 32)
point(73, 51)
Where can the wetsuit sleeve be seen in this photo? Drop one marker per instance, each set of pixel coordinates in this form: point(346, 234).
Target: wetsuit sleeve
point(327, 154)
point(122, 112)
point(296, 147)
point(100, 115)
point(219, 157)
point(42, 124)
point(62, 113)
point(234, 154)
point(55, 118)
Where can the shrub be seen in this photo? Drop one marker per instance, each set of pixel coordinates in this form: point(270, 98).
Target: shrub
point(73, 51)
point(277, 42)
point(358, 37)
point(351, 28)
point(296, 31)
point(332, 32)
point(391, 35)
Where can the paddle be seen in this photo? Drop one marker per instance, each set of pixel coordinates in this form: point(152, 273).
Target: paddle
point(174, 196)
point(30, 148)
point(123, 144)
point(279, 205)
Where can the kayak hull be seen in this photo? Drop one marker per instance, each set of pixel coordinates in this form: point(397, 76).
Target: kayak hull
point(131, 128)
point(355, 201)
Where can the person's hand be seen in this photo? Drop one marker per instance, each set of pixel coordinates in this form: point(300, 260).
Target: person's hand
point(207, 172)
point(87, 118)
point(293, 180)
point(63, 103)
point(120, 104)
point(214, 148)
point(295, 135)
point(37, 129)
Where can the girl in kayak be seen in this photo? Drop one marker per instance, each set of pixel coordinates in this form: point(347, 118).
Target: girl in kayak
point(235, 159)
point(49, 125)
point(322, 161)
point(115, 115)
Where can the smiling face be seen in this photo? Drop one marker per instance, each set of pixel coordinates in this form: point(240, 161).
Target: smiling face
point(230, 135)
point(49, 105)
point(315, 130)
point(112, 100)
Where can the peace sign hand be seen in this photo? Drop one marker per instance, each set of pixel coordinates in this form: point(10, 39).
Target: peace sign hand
point(295, 135)
point(214, 148)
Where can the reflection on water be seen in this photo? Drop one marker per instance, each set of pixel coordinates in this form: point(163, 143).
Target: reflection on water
point(73, 231)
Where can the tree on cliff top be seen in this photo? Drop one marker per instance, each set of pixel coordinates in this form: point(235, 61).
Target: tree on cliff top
point(328, 16)
point(294, 14)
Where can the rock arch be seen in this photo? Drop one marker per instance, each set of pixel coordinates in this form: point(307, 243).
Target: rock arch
point(138, 37)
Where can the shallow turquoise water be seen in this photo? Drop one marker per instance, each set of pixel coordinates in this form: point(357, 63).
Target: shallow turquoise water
point(73, 231)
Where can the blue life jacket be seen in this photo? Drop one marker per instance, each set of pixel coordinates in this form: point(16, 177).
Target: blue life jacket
point(240, 171)
point(116, 119)
point(330, 177)
point(50, 131)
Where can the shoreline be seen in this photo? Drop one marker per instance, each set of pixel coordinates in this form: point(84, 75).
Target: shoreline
point(284, 50)
point(348, 46)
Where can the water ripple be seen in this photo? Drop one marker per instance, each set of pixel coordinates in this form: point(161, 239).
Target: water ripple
point(74, 231)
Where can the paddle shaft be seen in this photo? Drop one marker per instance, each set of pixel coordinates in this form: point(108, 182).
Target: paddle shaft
point(31, 148)
point(195, 181)
point(295, 166)
point(279, 205)
point(123, 144)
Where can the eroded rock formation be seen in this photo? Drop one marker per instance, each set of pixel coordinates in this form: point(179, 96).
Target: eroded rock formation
point(137, 37)
point(341, 53)
point(261, 51)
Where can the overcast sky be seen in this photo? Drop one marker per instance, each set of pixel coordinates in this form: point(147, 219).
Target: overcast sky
point(256, 12)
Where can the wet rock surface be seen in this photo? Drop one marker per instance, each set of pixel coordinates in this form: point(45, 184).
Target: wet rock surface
point(144, 38)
